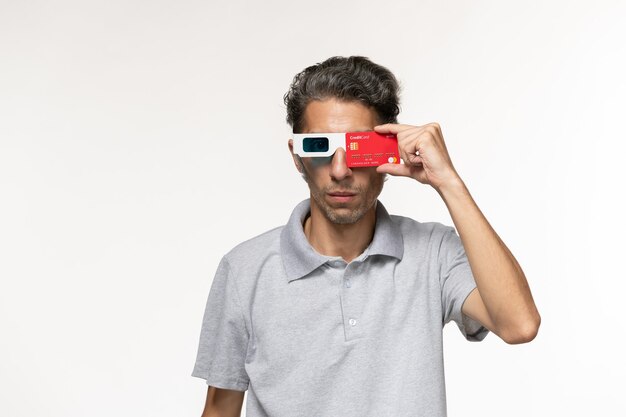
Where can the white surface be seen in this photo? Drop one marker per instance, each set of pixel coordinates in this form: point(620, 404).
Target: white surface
point(130, 143)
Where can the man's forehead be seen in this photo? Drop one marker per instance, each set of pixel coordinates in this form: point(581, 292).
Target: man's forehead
point(336, 116)
point(322, 130)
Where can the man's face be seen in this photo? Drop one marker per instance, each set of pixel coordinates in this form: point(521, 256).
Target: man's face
point(342, 194)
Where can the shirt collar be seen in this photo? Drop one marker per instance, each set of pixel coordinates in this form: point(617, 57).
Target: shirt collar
point(299, 258)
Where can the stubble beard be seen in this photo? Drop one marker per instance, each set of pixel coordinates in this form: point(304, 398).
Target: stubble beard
point(338, 216)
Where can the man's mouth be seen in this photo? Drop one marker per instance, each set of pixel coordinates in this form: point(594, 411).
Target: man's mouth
point(341, 193)
point(341, 196)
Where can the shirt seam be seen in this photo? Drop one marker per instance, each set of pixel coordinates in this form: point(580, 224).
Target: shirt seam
point(237, 297)
point(227, 379)
point(440, 266)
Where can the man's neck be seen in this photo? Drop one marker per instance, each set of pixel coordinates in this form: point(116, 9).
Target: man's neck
point(345, 240)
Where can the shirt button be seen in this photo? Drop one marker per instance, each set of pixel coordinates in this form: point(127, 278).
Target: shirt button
point(352, 322)
point(348, 282)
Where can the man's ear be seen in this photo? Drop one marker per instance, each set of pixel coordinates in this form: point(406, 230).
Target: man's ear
point(296, 159)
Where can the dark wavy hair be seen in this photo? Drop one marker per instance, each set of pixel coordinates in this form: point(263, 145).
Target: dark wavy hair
point(353, 78)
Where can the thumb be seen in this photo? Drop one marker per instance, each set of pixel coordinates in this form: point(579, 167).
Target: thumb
point(394, 169)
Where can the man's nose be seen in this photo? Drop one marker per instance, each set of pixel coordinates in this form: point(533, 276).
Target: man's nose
point(339, 165)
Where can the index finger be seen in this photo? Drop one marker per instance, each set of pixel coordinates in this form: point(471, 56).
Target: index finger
point(393, 128)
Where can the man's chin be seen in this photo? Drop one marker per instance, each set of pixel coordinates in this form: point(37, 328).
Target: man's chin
point(340, 212)
point(345, 215)
point(340, 206)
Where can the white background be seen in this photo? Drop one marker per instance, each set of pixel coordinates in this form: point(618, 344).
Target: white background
point(141, 140)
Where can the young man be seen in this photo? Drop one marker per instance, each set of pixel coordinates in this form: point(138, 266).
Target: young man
point(340, 312)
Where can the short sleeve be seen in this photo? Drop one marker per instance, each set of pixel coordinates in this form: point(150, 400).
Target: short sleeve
point(223, 336)
point(457, 282)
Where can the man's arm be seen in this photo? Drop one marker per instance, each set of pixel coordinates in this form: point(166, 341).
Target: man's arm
point(502, 301)
point(223, 402)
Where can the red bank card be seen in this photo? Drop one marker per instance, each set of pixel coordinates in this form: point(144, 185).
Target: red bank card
point(370, 149)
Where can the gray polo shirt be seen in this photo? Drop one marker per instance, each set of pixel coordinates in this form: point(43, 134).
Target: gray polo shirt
point(310, 335)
